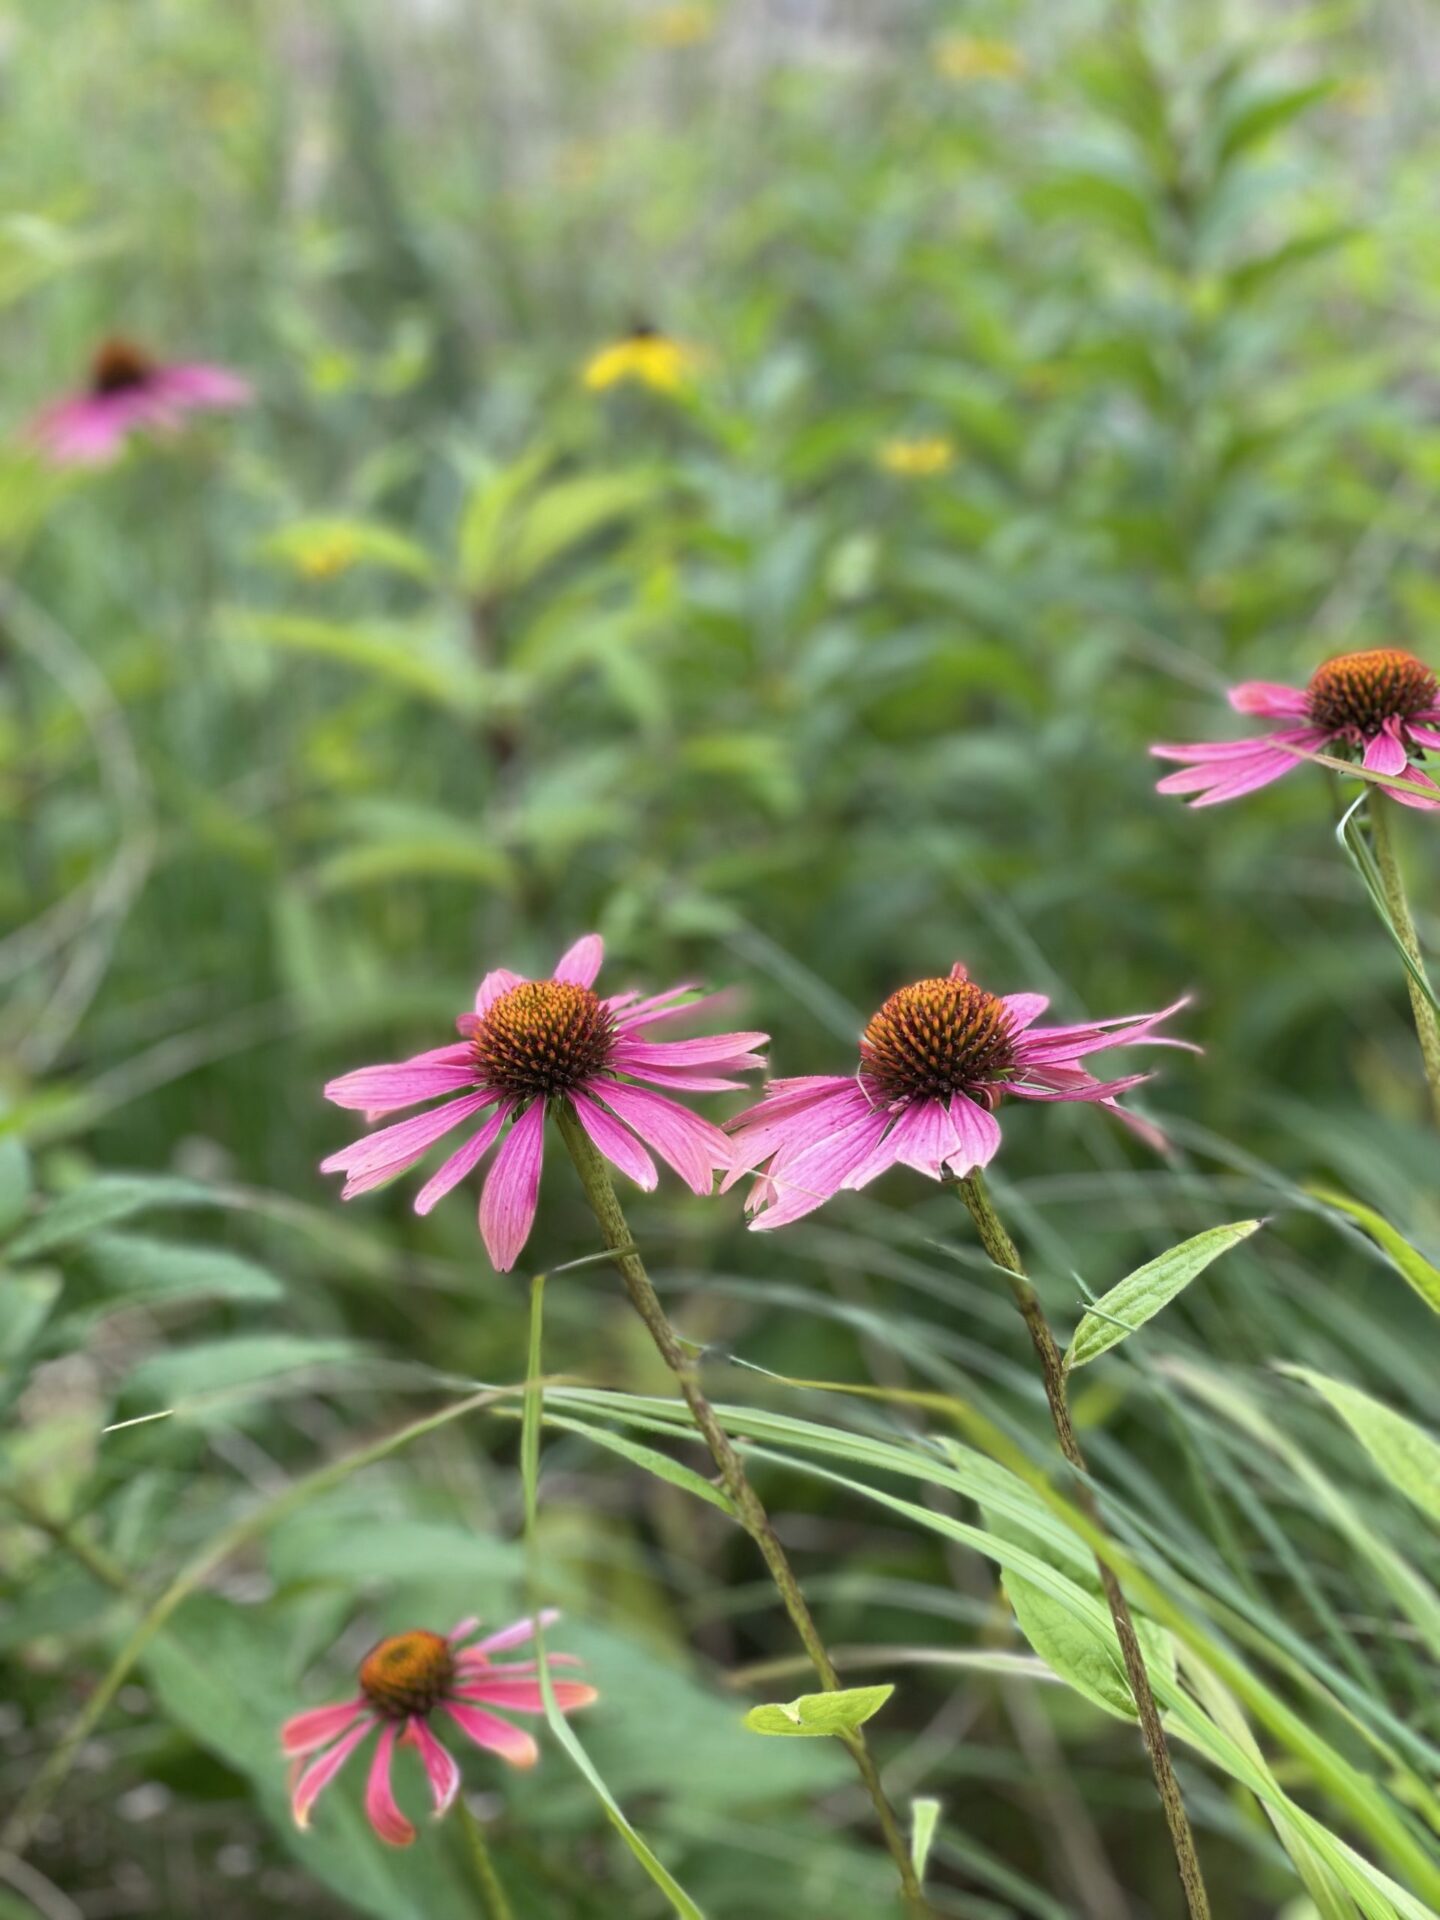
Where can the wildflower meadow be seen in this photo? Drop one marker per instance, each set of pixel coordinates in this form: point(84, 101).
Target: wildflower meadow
point(719, 1038)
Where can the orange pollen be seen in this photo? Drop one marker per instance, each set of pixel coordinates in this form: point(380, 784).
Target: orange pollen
point(543, 1038)
point(410, 1673)
point(937, 1037)
point(1358, 692)
point(119, 365)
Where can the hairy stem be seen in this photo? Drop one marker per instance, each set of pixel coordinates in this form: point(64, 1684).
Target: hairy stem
point(600, 1192)
point(494, 1902)
point(1427, 1026)
point(1001, 1249)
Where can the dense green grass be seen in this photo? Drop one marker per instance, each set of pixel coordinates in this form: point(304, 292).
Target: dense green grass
point(435, 658)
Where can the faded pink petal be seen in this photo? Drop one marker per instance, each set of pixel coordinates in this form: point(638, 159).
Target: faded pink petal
point(580, 964)
point(792, 1123)
point(1424, 733)
point(380, 1090)
point(804, 1181)
point(1385, 753)
point(692, 1146)
point(1269, 697)
point(370, 1162)
point(618, 1145)
point(525, 1696)
point(517, 1632)
point(1416, 800)
point(501, 980)
point(512, 1189)
point(459, 1164)
point(1071, 1083)
point(496, 1735)
point(463, 1629)
point(313, 1780)
point(1025, 1008)
point(725, 1047)
point(380, 1808)
point(198, 385)
point(1044, 1046)
point(441, 1768)
point(304, 1732)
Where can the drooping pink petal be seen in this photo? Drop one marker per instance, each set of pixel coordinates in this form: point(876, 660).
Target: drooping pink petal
point(525, 1696)
point(304, 1732)
point(1418, 801)
point(195, 384)
point(517, 1632)
point(1385, 752)
point(1204, 753)
point(579, 964)
point(459, 1164)
point(1269, 697)
point(923, 1137)
point(1071, 1083)
point(1247, 776)
point(496, 1735)
point(616, 1142)
point(311, 1781)
point(1146, 1130)
point(692, 1146)
point(369, 1162)
point(498, 981)
point(979, 1133)
point(404, 1083)
point(1424, 733)
point(1045, 1046)
point(690, 1053)
point(512, 1189)
point(441, 1768)
point(380, 1808)
point(792, 1122)
point(1025, 1008)
point(801, 1182)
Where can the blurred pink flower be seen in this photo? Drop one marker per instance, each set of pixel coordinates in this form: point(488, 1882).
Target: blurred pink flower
point(530, 1043)
point(404, 1682)
point(130, 391)
point(1383, 705)
point(934, 1064)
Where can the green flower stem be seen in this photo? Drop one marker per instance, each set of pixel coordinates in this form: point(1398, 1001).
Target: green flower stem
point(1427, 1027)
point(600, 1192)
point(1001, 1249)
point(493, 1897)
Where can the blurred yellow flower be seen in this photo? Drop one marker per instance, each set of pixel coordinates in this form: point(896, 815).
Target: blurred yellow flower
point(685, 24)
point(326, 556)
point(652, 358)
point(959, 57)
point(917, 456)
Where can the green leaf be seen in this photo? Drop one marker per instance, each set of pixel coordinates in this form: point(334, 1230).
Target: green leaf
point(320, 549)
point(15, 1181)
point(210, 1376)
point(815, 1715)
point(25, 1303)
point(554, 520)
point(1141, 1294)
point(1405, 1453)
point(402, 655)
point(131, 1268)
point(924, 1819)
point(1413, 1266)
point(102, 1202)
point(1260, 117)
point(652, 1461)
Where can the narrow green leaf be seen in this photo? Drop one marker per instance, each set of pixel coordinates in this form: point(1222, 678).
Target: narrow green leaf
point(530, 1431)
point(25, 1303)
point(132, 1267)
point(1141, 1294)
point(1405, 1453)
point(403, 655)
point(101, 1203)
point(652, 1461)
point(924, 1818)
point(14, 1181)
point(816, 1715)
point(1413, 1266)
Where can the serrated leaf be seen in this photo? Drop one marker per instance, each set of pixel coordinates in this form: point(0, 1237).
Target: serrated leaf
point(1141, 1294)
point(1405, 1453)
point(101, 1203)
point(816, 1716)
point(1412, 1265)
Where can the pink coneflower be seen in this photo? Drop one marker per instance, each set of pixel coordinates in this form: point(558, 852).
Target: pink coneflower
point(528, 1044)
point(934, 1064)
point(130, 390)
point(1383, 705)
point(404, 1682)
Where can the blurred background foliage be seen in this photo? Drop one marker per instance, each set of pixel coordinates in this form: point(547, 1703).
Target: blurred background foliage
point(436, 657)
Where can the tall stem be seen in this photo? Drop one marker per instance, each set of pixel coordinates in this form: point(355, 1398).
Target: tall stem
point(600, 1192)
point(1001, 1249)
point(1427, 1026)
point(492, 1893)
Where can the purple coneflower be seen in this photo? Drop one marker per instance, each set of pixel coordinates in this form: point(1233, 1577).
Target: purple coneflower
point(531, 1043)
point(130, 390)
point(404, 1681)
point(1383, 704)
point(935, 1062)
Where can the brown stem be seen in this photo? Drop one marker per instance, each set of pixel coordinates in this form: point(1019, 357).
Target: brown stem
point(749, 1511)
point(1001, 1249)
point(1427, 1026)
